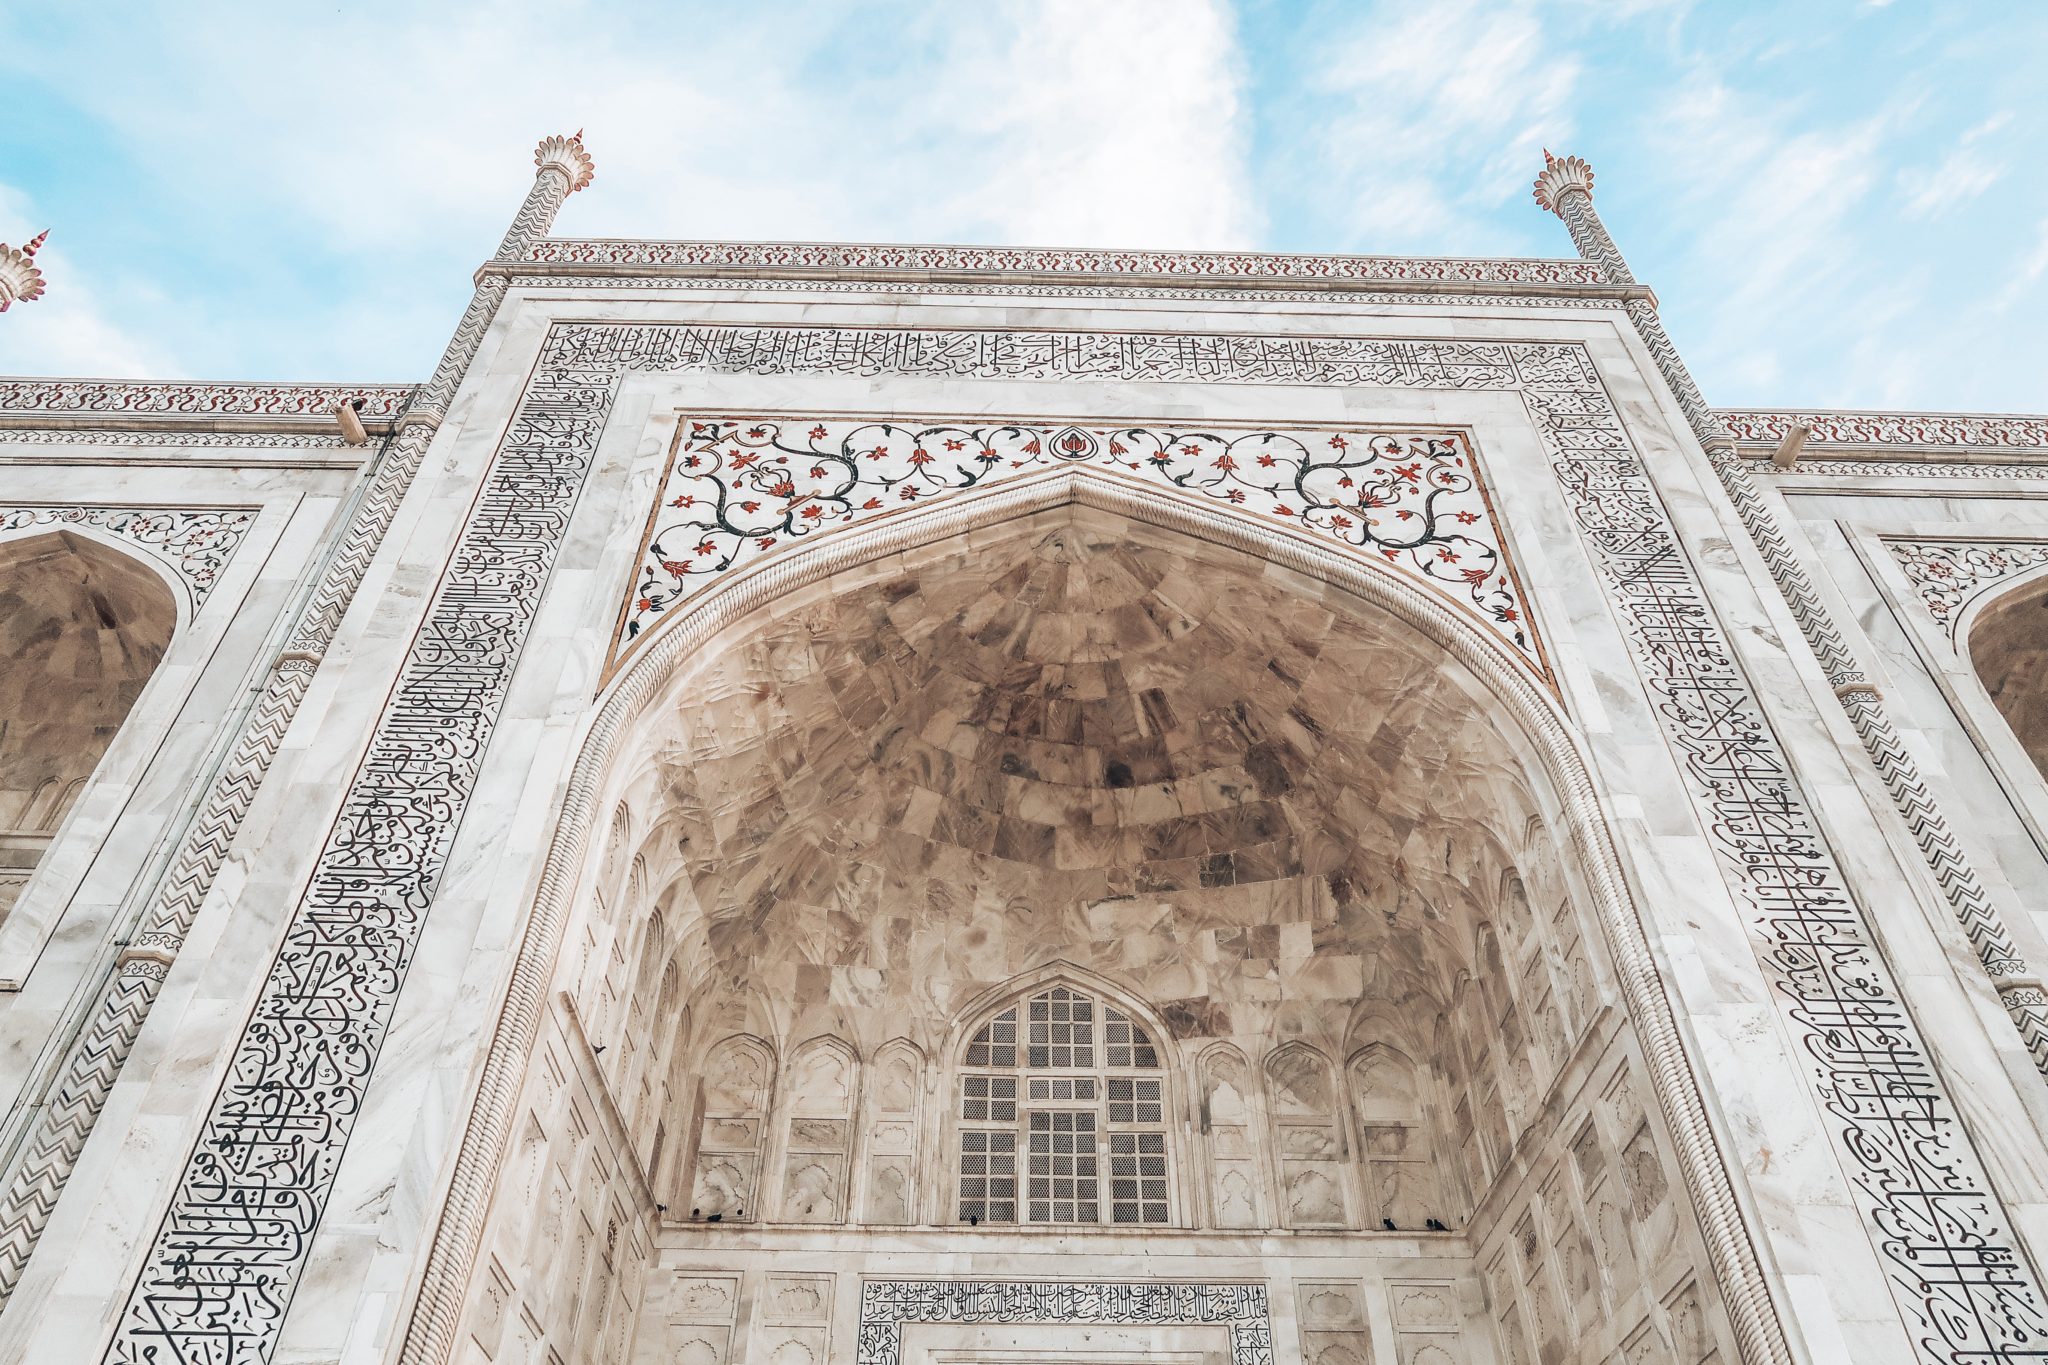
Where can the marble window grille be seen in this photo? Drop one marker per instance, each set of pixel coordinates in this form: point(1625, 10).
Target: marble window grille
point(1062, 1109)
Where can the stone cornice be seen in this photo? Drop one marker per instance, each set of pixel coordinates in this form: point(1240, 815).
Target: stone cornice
point(1012, 262)
point(1857, 431)
point(99, 404)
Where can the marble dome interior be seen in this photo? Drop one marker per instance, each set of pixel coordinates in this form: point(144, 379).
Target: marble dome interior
point(1293, 865)
point(1266, 818)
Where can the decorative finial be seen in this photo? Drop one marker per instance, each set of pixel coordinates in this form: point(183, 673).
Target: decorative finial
point(566, 155)
point(1562, 175)
point(20, 278)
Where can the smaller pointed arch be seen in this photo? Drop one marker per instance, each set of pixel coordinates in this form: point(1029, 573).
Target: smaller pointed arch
point(1228, 1119)
point(1308, 1141)
point(820, 1087)
point(895, 1095)
point(1060, 1110)
point(734, 1086)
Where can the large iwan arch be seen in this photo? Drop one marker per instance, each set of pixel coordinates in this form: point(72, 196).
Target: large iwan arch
point(1291, 807)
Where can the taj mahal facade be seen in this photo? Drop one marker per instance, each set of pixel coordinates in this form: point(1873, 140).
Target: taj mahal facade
point(898, 805)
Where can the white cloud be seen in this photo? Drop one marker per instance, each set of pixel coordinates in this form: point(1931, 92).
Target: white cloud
point(1437, 115)
point(2035, 263)
point(1961, 176)
point(68, 330)
point(1054, 121)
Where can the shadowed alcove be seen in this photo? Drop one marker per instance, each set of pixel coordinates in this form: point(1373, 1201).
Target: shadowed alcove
point(1083, 878)
point(2008, 645)
point(82, 627)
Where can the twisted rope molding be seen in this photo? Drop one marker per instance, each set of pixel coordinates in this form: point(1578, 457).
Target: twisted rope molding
point(1569, 194)
point(431, 1332)
point(88, 1072)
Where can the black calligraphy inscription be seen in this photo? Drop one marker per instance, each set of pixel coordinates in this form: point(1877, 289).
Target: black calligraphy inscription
point(886, 1305)
point(221, 1271)
point(225, 1261)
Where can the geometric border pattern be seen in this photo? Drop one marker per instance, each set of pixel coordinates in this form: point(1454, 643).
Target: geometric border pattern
point(197, 542)
point(221, 1272)
point(886, 1305)
point(1947, 574)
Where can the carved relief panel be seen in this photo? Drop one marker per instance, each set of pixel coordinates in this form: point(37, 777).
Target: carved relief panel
point(737, 1078)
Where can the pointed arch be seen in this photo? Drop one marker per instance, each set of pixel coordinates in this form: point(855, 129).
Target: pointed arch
point(1062, 1106)
point(1227, 1115)
point(1396, 1147)
point(2004, 637)
point(83, 625)
point(896, 1103)
point(734, 1088)
point(819, 1092)
point(1303, 1104)
point(1536, 728)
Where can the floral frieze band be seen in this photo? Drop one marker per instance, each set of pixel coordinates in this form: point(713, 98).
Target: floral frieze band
point(1949, 574)
point(196, 541)
point(739, 488)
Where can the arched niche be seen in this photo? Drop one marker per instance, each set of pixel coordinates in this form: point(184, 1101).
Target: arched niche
point(82, 628)
point(1075, 744)
point(2007, 644)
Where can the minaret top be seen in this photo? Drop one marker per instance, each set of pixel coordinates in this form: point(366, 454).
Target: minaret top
point(20, 278)
point(566, 154)
point(1561, 176)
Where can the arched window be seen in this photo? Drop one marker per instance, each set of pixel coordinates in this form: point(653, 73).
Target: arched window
point(1070, 1090)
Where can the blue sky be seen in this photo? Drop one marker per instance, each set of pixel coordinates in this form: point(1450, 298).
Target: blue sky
point(1839, 204)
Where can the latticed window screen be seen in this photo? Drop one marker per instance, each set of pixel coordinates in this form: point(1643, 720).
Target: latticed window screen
point(1080, 1097)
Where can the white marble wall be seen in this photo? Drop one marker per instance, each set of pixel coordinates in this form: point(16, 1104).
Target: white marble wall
point(355, 1296)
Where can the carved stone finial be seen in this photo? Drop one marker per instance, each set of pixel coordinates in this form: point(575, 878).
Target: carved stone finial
point(20, 278)
point(566, 155)
point(1561, 175)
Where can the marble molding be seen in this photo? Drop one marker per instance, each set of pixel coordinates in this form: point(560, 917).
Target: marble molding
point(1913, 1172)
point(751, 256)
